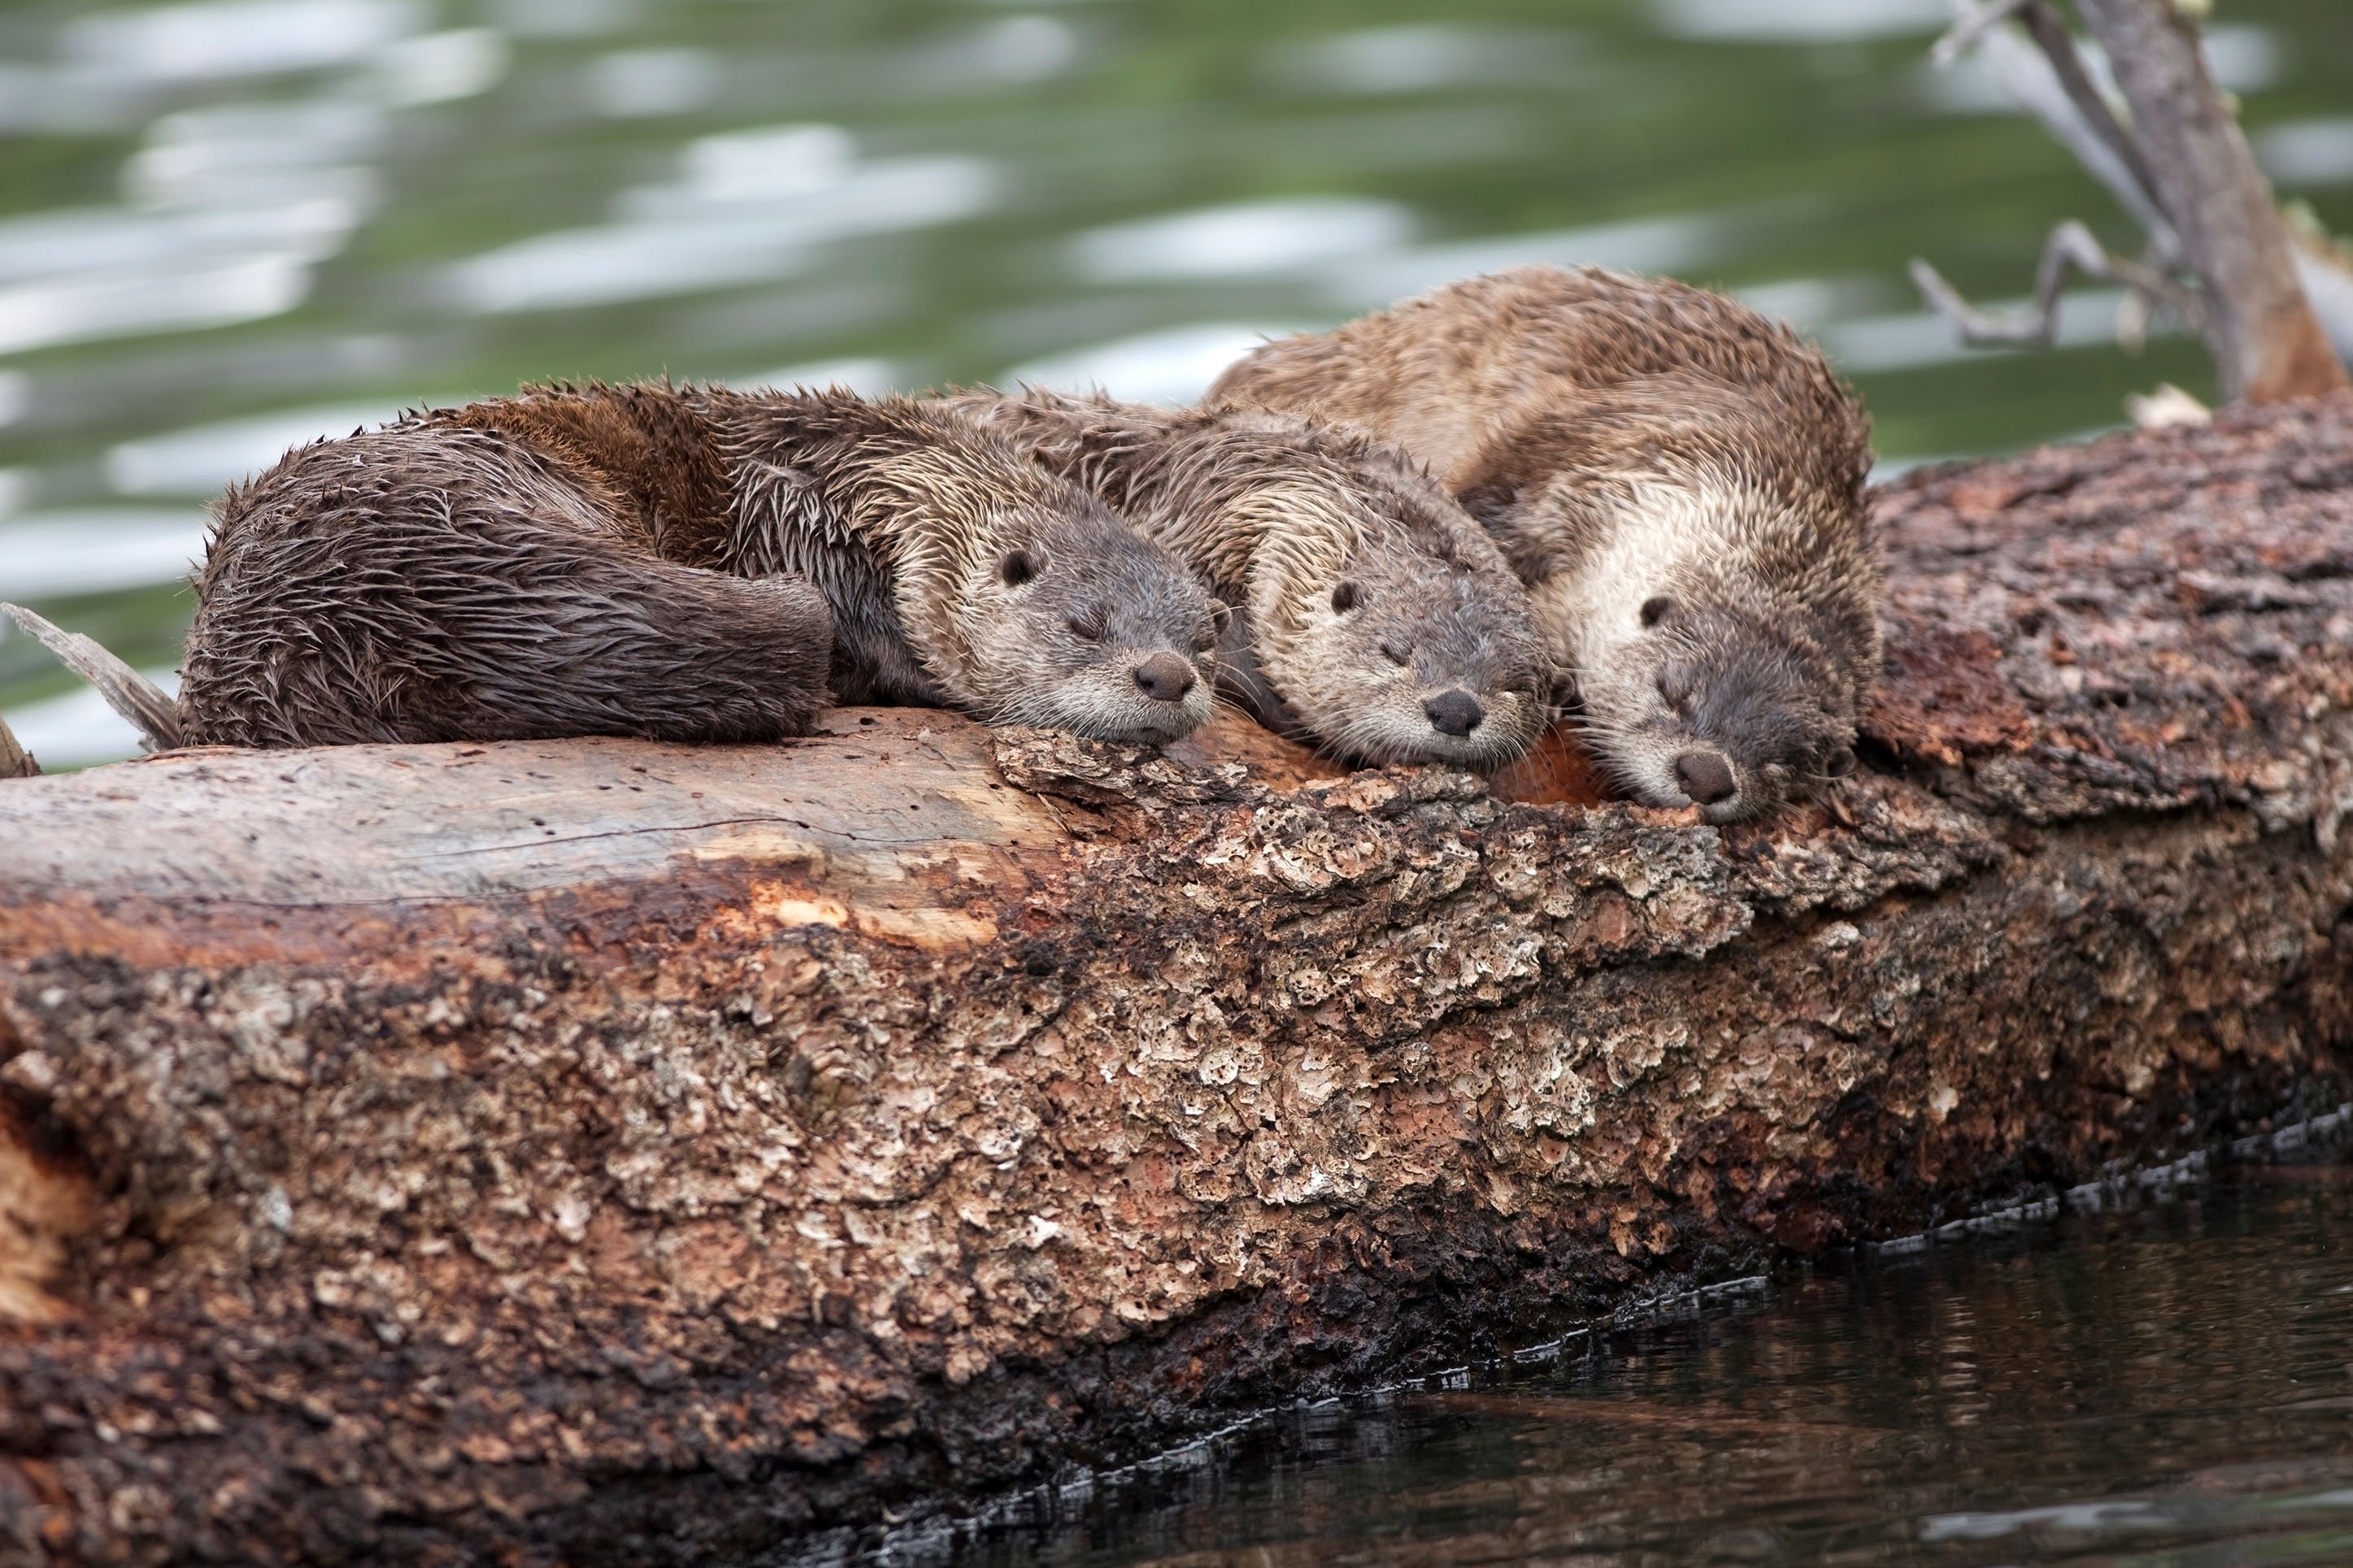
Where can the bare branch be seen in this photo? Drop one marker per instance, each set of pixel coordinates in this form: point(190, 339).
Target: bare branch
point(2071, 248)
point(2029, 71)
point(2267, 343)
point(150, 710)
point(15, 763)
point(2058, 45)
point(1973, 19)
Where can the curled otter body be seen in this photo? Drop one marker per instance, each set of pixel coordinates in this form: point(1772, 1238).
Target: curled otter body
point(676, 563)
point(1373, 617)
point(1678, 481)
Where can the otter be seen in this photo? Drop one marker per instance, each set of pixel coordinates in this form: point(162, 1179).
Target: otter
point(1679, 482)
point(683, 564)
point(1373, 618)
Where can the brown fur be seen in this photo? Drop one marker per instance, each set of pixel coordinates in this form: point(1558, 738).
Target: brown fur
point(1634, 442)
point(660, 562)
point(1368, 605)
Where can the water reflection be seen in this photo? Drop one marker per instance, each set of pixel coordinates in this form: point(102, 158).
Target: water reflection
point(95, 550)
point(1257, 239)
point(745, 207)
point(2165, 1388)
point(1172, 367)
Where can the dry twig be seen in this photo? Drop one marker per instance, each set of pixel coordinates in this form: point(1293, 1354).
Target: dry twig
point(2182, 169)
point(147, 706)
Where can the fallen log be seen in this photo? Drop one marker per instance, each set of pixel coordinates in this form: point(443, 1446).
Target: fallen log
point(608, 1152)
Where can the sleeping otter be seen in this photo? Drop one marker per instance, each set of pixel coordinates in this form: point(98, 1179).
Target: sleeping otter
point(1678, 481)
point(681, 565)
point(1373, 618)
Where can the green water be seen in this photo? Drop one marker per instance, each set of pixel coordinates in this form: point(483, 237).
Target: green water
point(228, 226)
point(2167, 1388)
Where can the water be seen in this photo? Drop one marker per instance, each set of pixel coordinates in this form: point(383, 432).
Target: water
point(2172, 1386)
point(230, 225)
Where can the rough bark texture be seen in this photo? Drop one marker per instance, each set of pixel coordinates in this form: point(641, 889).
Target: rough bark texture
point(606, 1153)
point(2267, 343)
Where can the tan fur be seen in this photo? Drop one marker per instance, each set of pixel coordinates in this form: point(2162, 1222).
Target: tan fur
point(1630, 441)
point(1364, 596)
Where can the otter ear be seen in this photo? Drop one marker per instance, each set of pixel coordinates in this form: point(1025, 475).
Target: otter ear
point(1657, 609)
point(1017, 567)
point(1841, 762)
point(1347, 597)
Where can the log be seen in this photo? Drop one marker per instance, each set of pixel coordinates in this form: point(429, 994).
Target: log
point(600, 1152)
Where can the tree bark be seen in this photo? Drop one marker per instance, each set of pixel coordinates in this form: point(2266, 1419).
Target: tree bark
point(600, 1152)
point(2268, 345)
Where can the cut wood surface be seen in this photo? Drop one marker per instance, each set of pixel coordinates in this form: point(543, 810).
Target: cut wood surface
point(600, 1152)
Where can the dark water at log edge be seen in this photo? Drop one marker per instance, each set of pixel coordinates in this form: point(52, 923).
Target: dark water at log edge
point(2154, 1371)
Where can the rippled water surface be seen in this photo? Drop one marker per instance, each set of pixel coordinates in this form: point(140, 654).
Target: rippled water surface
point(2171, 1388)
point(231, 225)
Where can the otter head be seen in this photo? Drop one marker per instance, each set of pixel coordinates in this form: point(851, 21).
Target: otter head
point(1395, 637)
point(1708, 698)
point(1068, 617)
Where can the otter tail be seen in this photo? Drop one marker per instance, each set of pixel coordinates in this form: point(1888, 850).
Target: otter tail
point(151, 710)
point(426, 583)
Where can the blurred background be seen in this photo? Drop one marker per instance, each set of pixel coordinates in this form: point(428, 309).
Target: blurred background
point(230, 227)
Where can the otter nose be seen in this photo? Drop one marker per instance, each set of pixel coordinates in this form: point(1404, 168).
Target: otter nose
point(1164, 678)
point(1454, 712)
point(1704, 776)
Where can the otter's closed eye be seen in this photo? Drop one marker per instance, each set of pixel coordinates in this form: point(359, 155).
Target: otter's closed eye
point(1017, 567)
point(1347, 597)
point(1656, 609)
point(1090, 623)
point(1839, 763)
point(1396, 652)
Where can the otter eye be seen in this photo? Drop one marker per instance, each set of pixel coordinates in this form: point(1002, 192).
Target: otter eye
point(1676, 692)
point(1221, 616)
point(1017, 567)
point(1839, 763)
point(1657, 609)
point(1091, 624)
point(1347, 597)
point(1396, 653)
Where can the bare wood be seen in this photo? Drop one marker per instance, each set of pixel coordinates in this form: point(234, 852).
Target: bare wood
point(2071, 248)
point(15, 763)
point(148, 707)
point(2049, 31)
point(2268, 344)
point(600, 1150)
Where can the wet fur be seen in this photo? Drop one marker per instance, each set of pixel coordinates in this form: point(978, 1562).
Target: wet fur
point(1275, 512)
point(1626, 440)
point(905, 511)
point(649, 560)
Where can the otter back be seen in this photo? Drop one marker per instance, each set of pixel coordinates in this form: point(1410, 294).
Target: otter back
point(1678, 481)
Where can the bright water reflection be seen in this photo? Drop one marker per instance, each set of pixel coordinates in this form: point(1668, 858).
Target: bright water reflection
point(230, 225)
point(2166, 1388)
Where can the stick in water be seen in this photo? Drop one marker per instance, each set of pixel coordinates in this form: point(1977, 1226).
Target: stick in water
point(139, 699)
